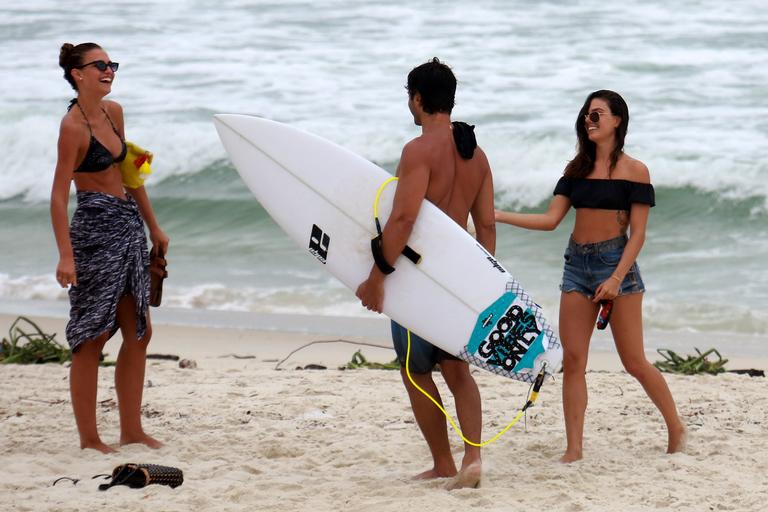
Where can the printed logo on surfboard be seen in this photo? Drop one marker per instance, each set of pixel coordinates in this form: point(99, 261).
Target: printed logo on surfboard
point(494, 263)
point(507, 336)
point(318, 243)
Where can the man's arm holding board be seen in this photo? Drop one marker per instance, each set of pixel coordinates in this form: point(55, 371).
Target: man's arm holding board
point(413, 173)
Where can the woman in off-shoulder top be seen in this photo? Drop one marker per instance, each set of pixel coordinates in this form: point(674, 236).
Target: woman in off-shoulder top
point(612, 195)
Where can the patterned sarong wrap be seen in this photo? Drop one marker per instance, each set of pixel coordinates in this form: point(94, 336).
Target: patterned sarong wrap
point(111, 260)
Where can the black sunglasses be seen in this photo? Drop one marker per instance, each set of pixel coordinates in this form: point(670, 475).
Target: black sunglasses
point(594, 116)
point(101, 65)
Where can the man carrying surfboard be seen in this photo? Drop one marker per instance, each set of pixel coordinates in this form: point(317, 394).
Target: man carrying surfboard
point(444, 166)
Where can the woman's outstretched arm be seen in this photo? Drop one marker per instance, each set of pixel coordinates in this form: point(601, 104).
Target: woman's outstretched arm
point(547, 221)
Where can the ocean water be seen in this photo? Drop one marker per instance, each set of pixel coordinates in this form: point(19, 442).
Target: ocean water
point(692, 72)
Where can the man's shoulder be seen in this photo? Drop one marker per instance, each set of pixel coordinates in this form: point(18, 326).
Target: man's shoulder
point(416, 149)
point(416, 144)
point(480, 153)
point(480, 160)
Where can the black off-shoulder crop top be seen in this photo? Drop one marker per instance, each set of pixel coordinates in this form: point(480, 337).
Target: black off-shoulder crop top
point(97, 157)
point(605, 194)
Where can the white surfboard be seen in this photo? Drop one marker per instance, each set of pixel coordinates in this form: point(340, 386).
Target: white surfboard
point(458, 297)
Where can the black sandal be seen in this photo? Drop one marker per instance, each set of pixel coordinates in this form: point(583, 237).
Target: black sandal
point(137, 476)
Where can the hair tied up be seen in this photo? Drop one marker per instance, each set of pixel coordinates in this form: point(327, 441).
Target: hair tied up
point(71, 56)
point(66, 51)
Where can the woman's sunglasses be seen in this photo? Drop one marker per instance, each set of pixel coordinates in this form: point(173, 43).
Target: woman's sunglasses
point(101, 65)
point(594, 116)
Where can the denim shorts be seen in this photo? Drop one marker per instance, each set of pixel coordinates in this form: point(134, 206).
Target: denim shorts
point(424, 355)
point(588, 265)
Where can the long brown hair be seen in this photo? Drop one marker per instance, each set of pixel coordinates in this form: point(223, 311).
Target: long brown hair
point(584, 161)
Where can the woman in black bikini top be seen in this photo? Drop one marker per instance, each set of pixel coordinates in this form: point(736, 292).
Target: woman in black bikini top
point(103, 256)
point(612, 196)
point(97, 157)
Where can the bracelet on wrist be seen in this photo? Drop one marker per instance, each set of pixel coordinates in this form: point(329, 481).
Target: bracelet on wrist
point(614, 276)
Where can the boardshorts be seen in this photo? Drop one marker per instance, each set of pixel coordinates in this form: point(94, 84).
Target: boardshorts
point(424, 355)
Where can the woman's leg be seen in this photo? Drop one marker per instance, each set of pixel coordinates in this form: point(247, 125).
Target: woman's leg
point(577, 321)
point(129, 375)
point(83, 380)
point(627, 328)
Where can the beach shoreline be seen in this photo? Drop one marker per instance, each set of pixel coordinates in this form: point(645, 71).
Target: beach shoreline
point(190, 332)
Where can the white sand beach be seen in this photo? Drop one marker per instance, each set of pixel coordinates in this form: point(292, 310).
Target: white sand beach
point(250, 437)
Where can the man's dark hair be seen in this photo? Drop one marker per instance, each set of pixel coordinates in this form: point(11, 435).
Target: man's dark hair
point(436, 84)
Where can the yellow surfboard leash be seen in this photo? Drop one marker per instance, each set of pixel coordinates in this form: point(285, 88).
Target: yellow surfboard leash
point(534, 394)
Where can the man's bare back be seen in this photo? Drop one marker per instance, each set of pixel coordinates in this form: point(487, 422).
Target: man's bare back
point(454, 183)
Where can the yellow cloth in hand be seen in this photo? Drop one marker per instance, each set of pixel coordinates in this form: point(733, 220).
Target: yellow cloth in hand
point(135, 167)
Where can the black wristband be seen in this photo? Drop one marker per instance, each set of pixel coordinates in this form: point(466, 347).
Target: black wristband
point(378, 257)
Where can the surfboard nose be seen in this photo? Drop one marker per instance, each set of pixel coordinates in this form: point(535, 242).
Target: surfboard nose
point(223, 118)
point(237, 123)
point(244, 124)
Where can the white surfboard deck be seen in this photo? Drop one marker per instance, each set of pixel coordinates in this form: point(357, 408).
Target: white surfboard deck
point(458, 297)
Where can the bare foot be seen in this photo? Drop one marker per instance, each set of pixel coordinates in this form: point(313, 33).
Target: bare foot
point(467, 478)
point(678, 439)
point(98, 445)
point(570, 456)
point(433, 473)
point(141, 439)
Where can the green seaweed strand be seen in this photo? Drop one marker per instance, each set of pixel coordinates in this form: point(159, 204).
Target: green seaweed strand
point(30, 345)
point(692, 364)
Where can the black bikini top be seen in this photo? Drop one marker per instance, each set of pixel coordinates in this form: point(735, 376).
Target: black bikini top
point(98, 157)
point(605, 194)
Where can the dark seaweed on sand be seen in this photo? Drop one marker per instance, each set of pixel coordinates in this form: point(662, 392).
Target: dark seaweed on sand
point(359, 361)
point(28, 344)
